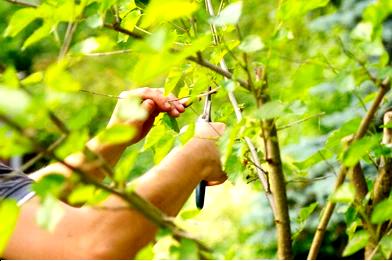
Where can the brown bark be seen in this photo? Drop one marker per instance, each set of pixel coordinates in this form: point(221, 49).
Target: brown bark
point(276, 180)
point(328, 210)
point(383, 184)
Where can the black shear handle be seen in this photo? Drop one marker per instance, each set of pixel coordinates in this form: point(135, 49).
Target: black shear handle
point(200, 194)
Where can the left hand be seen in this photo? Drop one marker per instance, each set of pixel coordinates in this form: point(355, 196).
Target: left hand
point(154, 102)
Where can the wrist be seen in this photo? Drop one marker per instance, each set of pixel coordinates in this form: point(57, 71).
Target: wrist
point(109, 152)
point(206, 154)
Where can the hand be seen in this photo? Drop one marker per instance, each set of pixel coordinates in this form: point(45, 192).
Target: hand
point(208, 133)
point(153, 102)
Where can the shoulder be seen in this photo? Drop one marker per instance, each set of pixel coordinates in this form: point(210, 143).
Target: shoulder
point(14, 184)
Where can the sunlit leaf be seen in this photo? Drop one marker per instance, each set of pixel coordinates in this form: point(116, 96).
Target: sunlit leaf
point(50, 213)
point(19, 20)
point(58, 78)
point(357, 242)
point(382, 212)
point(81, 194)
point(190, 213)
point(51, 184)
point(295, 8)
point(344, 194)
point(188, 250)
point(10, 78)
point(117, 134)
point(130, 20)
point(38, 34)
point(230, 15)
point(17, 101)
point(359, 149)
point(386, 245)
point(270, 110)
point(251, 43)
point(75, 142)
point(9, 212)
point(162, 11)
point(146, 253)
point(33, 78)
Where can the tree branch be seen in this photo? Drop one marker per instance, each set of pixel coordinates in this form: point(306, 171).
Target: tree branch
point(383, 183)
point(132, 198)
point(328, 210)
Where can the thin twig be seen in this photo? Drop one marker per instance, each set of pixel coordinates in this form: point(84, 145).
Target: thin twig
point(22, 3)
point(132, 198)
point(299, 121)
point(116, 52)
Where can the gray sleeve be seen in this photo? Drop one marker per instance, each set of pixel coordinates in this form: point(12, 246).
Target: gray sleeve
point(14, 184)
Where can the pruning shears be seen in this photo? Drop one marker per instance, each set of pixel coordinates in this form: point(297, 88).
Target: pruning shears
point(205, 117)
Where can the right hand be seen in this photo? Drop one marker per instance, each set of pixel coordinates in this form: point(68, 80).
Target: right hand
point(208, 133)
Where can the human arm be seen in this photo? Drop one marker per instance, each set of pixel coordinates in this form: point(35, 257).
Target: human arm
point(153, 102)
point(88, 233)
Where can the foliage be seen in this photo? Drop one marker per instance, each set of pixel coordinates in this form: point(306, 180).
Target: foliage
point(323, 62)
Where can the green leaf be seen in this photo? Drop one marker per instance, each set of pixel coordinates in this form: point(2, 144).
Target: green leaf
point(358, 149)
point(81, 194)
point(117, 134)
point(10, 78)
point(295, 8)
point(9, 212)
point(154, 136)
point(171, 123)
point(163, 11)
point(75, 142)
point(187, 132)
point(251, 43)
point(105, 5)
point(57, 78)
point(344, 194)
point(363, 31)
point(357, 242)
point(270, 110)
point(386, 246)
point(226, 144)
point(163, 147)
point(125, 165)
point(228, 16)
point(94, 21)
point(382, 211)
point(190, 213)
point(19, 20)
point(52, 184)
point(16, 103)
point(188, 250)
point(305, 212)
point(33, 78)
point(130, 20)
point(38, 34)
point(146, 253)
point(50, 213)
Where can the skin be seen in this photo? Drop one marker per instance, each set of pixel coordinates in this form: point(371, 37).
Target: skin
point(91, 233)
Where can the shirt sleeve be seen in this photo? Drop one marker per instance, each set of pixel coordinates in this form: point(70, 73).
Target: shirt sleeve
point(15, 184)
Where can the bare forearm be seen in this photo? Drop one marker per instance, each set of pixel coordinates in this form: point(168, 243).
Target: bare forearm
point(167, 186)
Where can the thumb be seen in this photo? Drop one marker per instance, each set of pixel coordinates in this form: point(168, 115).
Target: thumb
point(149, 105)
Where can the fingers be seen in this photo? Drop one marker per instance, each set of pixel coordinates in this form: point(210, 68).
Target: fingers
point(169, 104)
point(217, 182)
